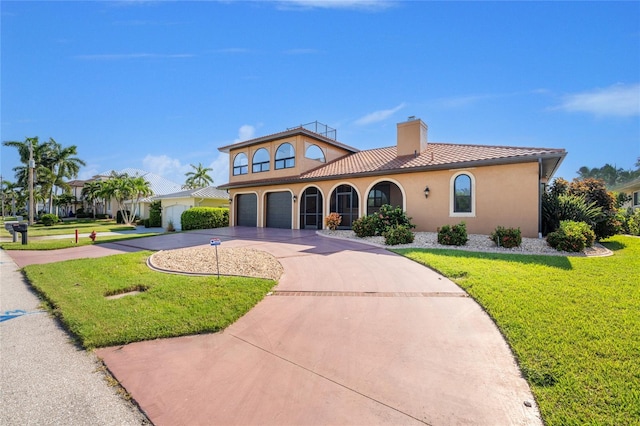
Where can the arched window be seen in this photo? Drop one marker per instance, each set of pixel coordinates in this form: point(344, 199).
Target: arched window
point(260, 161)
point(285, 156)
point(314, 153)
point(462, 194)
point(240, 164)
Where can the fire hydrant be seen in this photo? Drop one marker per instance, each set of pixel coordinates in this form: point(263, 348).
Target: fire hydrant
point(92, 235)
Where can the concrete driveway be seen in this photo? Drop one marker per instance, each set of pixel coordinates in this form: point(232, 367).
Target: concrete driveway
point(352, 335)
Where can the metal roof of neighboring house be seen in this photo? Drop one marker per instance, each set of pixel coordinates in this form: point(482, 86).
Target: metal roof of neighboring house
point(436, 156)
point(158, 184)
point(207, 192)
point(629, 186)
point(287, 133)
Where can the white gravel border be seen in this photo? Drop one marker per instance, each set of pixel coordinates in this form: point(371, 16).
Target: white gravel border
point(477, 242)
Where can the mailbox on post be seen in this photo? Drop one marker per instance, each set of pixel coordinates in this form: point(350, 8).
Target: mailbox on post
point(22, 228)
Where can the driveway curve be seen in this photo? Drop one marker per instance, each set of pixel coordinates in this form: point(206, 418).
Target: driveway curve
point(352, 334)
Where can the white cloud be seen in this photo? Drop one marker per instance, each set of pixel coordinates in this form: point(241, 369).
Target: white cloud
point(165, 166)
point(220, 166)
point(368, 5)
point(246, 132)
point(377, 116)
point(621, 100)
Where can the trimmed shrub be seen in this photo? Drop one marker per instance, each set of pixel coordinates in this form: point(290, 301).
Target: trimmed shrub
point(390, 217)
point(455, 235)
point(49, 219)
point(365, 226)
point(400, 234)
point(571, 236)
point(155, 215)
point(332, 221)
point(204, 218)
point(507, 237)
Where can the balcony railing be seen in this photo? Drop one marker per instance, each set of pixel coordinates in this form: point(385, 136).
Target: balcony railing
point(319, 128)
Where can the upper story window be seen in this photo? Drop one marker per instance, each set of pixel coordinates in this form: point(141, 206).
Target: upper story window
point(285, 156)
point(315, 153)
point(240, 164)
point(462, 195)
point(260, 161)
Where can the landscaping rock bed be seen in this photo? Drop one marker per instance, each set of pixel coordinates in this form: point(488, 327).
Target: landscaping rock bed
point(244, 262)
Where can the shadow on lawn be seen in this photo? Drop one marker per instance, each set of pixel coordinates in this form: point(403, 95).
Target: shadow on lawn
point(613, 245)
point(561, 262)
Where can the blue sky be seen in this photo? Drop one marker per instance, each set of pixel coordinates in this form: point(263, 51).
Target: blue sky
point(161, 85)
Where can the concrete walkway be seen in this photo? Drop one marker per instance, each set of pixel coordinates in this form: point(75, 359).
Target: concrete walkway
point(44, 378)
point(352, 334)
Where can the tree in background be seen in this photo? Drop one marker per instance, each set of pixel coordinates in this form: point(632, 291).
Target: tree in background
point(198, 178)
point(92, 193)
point(609, 174)
point(127, 191)
point(53, 163)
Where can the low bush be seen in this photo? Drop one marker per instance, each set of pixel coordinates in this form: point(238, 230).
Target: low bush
point(507, 237)
point(332, 221)
point(204, 218)
point(632, 222)
point(365, 226)
point(400, 234)
point(571, 236)
point(455, 235)
point(49, 219)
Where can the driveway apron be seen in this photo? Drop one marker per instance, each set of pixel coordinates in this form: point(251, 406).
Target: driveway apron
point(352, 334)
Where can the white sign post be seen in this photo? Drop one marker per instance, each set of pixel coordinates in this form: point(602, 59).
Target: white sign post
point(216, 242)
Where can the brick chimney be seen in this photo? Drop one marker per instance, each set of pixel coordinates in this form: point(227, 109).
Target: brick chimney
point(412, 137)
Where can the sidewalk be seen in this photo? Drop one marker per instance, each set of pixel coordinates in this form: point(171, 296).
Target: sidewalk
point(44, 378)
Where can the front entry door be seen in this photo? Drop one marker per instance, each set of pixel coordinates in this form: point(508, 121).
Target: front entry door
point(311, 209)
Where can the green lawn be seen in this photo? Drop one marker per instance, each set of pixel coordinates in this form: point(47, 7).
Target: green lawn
point(170, 305)
point(83, 226)
point(572, 323)
point(54, 244)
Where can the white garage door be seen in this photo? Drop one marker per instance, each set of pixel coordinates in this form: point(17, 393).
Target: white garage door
point(173, 213)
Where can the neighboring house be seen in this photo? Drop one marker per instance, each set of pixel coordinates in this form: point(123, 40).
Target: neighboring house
point(295, 178)
point(174, 204)
point(158, 184)
point(633, 190)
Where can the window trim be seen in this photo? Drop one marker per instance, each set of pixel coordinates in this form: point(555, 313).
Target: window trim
point(285, 162)
point(452, 184)
point(238, 168)
point(261, 164)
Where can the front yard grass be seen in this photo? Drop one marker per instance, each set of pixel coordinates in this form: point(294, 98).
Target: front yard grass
point(60, 243)
point(169, 305)
point(82, 225)
point(572, 323)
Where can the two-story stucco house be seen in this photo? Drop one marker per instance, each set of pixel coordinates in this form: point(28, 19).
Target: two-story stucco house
point(295, 178)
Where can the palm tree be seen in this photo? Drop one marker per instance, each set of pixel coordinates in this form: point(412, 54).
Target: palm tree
point(126, 189)
point(91, 193)
point(198, 178)
point(63, 163)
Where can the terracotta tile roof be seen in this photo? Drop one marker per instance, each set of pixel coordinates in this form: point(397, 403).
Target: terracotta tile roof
point(435, 156)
